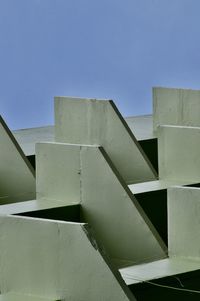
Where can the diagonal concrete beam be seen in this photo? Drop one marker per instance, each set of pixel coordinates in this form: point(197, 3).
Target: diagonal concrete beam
point(17, 175)
point(57, 260)
point(84, 174)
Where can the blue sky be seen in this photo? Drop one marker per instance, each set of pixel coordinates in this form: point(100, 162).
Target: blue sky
point(109, 49)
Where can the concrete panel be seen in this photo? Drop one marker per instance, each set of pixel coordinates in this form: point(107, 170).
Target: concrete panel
point(141, 126)
point(27, 138)
point(58, 174)
point(183, 222)
point(56, 260)
point(98, 122)
point(114, 213)
point(17, 175)
point(176, 107)
point(178, 153)
point(178, 156)
point(108, 205)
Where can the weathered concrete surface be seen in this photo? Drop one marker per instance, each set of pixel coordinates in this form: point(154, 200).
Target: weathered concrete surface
point(141, 127)
point(183, 220)
point(178, 153)
point(98, 122)
point(57, 260)
point(176, 107)
point(183, 239)
point(84, 174)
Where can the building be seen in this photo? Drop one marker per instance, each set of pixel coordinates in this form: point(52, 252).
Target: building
point(112, 211)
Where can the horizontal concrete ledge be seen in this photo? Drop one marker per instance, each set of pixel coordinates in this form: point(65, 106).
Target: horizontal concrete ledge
point(156, 185)
point(158, 269)
point(23, 297)
point(27, 206)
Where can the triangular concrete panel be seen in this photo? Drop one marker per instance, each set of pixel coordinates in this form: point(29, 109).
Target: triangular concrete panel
point(57, 260)
point(98, 122)
point(85, 175)
point(17, 175)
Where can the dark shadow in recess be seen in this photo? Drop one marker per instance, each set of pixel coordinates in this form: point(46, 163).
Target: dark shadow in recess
point(154, 204)
point(70, 213)
point(150, 147)
point(32, 160)
point(151, 292)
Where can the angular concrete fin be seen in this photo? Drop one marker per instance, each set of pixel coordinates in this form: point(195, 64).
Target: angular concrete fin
point(176, 107)
point(17, 175)
point(84, 174)
point(98, 122)
point(183, 222)
point(55, 259)
point(178, 153)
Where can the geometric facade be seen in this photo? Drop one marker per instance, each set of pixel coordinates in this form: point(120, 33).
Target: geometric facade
point(110, 216)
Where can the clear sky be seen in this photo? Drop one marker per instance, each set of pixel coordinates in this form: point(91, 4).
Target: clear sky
point(113, 49)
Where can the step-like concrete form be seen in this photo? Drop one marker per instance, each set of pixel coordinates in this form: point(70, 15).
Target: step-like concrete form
point(178, 159)
point(84, 174)
point(98, 122)
point(50, 257)
point(183, 239)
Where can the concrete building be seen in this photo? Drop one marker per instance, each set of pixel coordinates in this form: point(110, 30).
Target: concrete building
point(99, 207)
